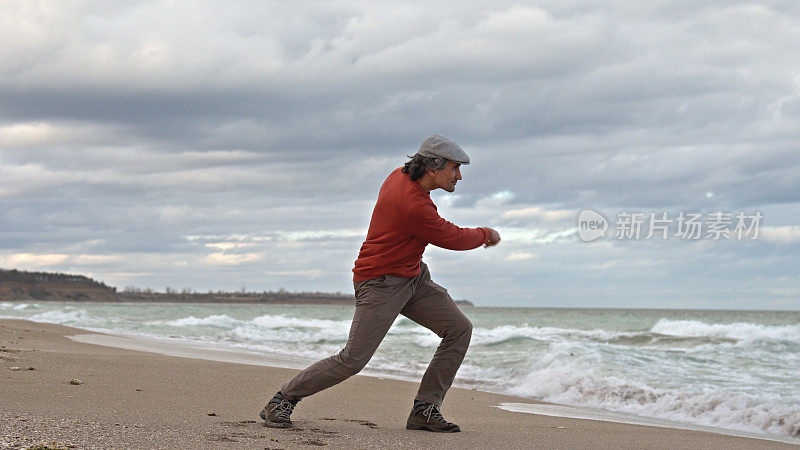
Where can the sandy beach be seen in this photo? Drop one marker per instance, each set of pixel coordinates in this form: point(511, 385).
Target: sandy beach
point(134, 399)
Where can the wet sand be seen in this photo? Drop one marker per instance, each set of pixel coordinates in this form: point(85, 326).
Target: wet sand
point(135, 399)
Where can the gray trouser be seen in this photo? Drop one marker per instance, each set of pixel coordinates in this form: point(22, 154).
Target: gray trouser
point(378, 302)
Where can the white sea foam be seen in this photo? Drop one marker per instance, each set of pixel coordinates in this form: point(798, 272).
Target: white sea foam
point(505, 333)
point(265, 328)
point(220, 320)
point(738, 331)
point(297, 337)
point(17, 306)
point(325, 329)
point(72, 316)
point(281, 321)
point(560, 377)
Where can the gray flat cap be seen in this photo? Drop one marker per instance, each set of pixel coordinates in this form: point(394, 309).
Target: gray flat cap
point(438, 146)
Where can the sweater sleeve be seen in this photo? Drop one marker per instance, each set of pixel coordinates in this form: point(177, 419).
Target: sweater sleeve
point(426, 224)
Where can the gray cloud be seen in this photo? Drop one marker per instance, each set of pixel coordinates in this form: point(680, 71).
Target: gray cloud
point(200, 145)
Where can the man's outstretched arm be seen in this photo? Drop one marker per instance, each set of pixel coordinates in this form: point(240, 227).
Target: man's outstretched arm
point(426, 224)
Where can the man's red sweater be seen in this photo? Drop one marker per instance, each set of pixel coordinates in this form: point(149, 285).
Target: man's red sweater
point(403, 222)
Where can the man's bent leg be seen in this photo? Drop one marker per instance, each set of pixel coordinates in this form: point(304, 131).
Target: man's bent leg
point(433, 308)
point(378, 303)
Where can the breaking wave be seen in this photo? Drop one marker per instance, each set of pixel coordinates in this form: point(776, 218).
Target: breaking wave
point(736, 331)
point(564, 376)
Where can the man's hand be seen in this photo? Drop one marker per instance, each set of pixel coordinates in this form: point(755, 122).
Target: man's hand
point(494, 237)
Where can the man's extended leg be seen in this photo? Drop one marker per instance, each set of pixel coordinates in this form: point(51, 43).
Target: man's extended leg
point(433, 308)
point(378, 303)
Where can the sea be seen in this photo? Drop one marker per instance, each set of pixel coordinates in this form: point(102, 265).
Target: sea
point(730, 370)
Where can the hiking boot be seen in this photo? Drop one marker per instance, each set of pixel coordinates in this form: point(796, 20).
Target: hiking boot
point(426, 416)
point(277, 411)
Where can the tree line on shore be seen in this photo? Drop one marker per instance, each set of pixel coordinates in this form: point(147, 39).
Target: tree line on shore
point(135, 290)
point(51, 286)
point(17, 285)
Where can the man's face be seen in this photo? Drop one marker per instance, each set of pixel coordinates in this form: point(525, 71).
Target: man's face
point(448, 177)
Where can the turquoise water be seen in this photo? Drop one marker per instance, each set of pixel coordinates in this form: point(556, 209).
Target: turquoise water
point(728, 369)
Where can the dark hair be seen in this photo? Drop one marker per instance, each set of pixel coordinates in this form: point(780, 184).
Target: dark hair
point(419, 164)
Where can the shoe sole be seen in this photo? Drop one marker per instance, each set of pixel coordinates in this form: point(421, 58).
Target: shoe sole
point(271, 424)
point(409, 426)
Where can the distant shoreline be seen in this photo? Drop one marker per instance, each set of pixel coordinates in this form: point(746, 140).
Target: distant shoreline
point(240, 301)
point(21, 286)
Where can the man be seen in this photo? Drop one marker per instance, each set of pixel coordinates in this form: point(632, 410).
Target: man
point(390, 278)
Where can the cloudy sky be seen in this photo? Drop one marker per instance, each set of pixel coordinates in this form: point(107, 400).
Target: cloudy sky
point(221, 145)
